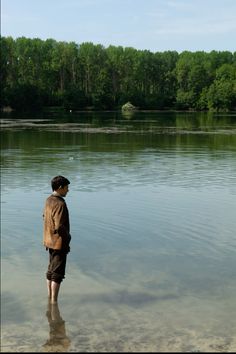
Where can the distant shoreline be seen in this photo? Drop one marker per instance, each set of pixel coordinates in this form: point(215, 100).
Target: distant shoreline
point(54, 110)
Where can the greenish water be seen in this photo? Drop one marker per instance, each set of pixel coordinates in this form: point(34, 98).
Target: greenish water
point(153, 255)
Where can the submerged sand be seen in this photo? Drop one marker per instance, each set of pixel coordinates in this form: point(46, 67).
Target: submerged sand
point(121, 338)
point(119, 330)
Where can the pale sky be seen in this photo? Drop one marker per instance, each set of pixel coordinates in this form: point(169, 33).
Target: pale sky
point(155, 25)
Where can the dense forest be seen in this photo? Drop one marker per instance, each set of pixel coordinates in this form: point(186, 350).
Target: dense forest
point(39, 73)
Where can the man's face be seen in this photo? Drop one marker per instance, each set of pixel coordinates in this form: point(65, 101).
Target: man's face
point(63, 191)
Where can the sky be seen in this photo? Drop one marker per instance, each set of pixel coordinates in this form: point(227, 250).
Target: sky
point(155, 25)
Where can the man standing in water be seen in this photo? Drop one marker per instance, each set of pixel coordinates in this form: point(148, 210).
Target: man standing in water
point(56, 235)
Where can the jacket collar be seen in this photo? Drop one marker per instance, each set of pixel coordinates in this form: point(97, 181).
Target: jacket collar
point(55, 194)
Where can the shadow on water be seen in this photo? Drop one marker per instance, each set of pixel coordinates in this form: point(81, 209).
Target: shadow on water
point(132, 299)
point(58, 340)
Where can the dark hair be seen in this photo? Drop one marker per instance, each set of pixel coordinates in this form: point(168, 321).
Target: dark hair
point(59, 181)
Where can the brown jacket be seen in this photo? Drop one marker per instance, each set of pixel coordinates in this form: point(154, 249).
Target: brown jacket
point(56, 233)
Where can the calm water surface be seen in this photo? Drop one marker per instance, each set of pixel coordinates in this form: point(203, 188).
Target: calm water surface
point(152, 205)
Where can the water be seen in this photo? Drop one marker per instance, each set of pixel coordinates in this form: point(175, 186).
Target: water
point(153, 255)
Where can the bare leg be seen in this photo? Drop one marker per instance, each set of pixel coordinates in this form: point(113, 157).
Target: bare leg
point(49, 288)
point(54, 291)
point(55, 312)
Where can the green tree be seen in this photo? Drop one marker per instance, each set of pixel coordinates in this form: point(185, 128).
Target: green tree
point(222, 93)
point(87, 75)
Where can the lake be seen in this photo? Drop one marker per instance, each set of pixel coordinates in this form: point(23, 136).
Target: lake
point(152, 205)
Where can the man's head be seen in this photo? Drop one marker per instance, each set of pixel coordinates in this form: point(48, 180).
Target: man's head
point(60, 185)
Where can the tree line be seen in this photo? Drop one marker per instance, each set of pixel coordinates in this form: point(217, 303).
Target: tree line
point(39, 73)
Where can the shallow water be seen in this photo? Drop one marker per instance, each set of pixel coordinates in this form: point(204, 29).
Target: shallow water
point(153, 254)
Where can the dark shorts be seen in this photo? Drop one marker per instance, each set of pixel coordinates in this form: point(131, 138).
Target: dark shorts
point(57, 265)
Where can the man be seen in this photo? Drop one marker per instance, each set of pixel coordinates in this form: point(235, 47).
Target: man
point(56, 235)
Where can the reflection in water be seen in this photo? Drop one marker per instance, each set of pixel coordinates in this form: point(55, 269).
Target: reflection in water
point(58, 340)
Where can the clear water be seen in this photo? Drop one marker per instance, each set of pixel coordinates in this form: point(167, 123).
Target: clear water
point(152, 205)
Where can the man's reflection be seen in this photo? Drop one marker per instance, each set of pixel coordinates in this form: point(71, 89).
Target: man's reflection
point(58, 340)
